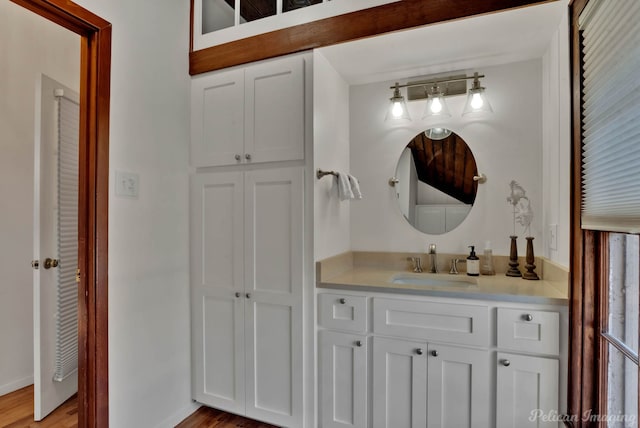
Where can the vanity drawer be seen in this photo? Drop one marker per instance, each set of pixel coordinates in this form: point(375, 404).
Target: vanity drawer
point(464, 324)
point(529, 331)
point(343, 312)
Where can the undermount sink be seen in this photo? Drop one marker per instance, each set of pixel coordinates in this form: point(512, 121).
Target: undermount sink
point(434, 280)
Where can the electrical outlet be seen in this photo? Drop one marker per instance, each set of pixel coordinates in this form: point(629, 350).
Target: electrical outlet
point(553, 236)
point(127, 184)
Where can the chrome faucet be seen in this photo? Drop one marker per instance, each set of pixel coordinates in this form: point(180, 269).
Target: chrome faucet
point(433, 257)
point(454, 265)
point(417, 264)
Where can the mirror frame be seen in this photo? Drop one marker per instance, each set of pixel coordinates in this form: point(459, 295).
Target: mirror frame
point(93, 203)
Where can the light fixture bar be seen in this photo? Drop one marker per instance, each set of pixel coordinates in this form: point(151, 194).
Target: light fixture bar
point(437, 81)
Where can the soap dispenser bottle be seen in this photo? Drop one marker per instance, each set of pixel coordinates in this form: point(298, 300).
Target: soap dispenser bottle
point(473, 262)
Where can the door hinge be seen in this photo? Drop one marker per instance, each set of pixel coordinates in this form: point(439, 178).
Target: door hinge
point(78, 275)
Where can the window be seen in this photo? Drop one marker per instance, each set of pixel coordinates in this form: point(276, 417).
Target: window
point(619, 330)
point(605, 214)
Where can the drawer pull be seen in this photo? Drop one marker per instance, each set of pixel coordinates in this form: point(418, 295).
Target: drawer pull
point(434, 353)
point(248, 295)
point(247, 156)
point(237, 294)
point(237, 157)
point(506, 363)
point(528, 317)
point(358, 343)
point(343, 301)
point(419, 351)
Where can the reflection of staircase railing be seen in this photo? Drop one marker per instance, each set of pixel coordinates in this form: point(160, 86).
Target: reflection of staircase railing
point(447, 165)
point(250, 10)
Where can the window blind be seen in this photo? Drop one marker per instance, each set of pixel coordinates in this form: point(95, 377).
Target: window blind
point(67, 290)
point(611, 115)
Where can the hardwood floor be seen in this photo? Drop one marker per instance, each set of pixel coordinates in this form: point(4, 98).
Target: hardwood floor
point(16, 411)
point(205, 417)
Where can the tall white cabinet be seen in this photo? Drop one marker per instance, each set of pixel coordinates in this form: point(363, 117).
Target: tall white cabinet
point(247, 242)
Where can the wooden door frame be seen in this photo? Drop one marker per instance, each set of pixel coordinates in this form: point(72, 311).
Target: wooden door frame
point(93, 203)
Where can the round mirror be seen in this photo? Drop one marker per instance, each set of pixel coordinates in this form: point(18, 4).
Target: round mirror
point(434, 181)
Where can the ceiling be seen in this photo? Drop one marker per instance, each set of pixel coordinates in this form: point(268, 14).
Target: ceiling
point(498, 38)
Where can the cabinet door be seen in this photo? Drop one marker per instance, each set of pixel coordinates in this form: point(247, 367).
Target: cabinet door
point(273, 281)
point(217, 119)
point(399, 383)
point(216, 281)
point(343, 377)
point(458, 387)
point(527, 389)
point(275, 110)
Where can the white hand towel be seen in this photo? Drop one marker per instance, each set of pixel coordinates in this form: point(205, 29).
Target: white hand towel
point(355, 187)
point(344, 189)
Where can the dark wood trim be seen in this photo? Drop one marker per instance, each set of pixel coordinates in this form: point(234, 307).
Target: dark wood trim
point(386, 18)
point(93, 201)
point(579, 363)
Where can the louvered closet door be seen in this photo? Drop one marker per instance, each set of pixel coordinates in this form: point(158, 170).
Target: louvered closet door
point(217, 305)
point(273, 279)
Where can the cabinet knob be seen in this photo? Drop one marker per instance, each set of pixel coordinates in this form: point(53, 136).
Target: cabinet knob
point(238, 157)
point(247, 156)
point(248, 295)
point(434, 353)
point(506, 363)
point(237, 294)
point(527, 317)
point(342, 301)
point(358, 343)
point(419, 351)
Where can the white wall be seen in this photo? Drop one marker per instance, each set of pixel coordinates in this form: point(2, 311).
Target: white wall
point(507, 146)
point(30, 45)
point(149, 328)
point(331, 152)
point(556, 121)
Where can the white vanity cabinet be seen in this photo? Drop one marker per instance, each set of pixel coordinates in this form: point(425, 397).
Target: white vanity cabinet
point(527, 381)
point(436, 362)
point(246, 292)
point(250, 114)
point(343, 384)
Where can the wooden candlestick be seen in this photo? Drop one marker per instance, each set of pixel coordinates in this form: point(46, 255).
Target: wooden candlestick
point(513, 258)
point(530, 266)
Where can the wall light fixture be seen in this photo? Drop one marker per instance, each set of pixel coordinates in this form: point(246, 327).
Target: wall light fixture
point(477, 101)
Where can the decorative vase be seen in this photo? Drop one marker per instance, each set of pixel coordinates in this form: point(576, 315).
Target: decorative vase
point(513, 258)
point(530, 266)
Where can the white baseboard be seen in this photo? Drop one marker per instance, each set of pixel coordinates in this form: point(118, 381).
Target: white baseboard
point(179, 416)
point(16, 385)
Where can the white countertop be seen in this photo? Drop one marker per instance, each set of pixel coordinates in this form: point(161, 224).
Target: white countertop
point(491, 287)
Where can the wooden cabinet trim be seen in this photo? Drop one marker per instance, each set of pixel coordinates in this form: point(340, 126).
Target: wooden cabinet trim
point(386, 18)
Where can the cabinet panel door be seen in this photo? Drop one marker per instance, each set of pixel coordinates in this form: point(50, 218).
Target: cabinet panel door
point(458, 387)
point(527, 388)
point(216, 277)
point(399, 383)
point(343, 377)
point(273, 279)
point(274, 110)
point(217, 118)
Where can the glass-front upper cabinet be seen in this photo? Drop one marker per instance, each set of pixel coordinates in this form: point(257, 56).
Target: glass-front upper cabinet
point(221, 21)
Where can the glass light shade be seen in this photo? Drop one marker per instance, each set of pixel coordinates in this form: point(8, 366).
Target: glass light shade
point(477, 102)
point(437, 133)
point(398, 110)
point(436, 106)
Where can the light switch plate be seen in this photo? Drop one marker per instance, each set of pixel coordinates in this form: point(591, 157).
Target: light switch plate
point(127, 184)
point(553, 236)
